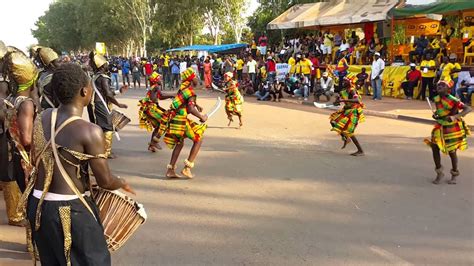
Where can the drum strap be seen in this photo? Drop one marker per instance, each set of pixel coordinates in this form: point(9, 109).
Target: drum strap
point(97, 92)
point(60, 166)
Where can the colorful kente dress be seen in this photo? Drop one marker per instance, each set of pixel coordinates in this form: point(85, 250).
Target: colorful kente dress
point(150, 112)
point(448, 136)
point(346, 120)
point(176, 126)
point(233, 99)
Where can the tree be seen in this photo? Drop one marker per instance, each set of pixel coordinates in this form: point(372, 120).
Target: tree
point(143, 12)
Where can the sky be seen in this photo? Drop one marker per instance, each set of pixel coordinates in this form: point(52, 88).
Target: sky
point(17, 32)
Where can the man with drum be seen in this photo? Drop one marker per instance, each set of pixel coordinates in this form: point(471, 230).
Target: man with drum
point(65, 222)
point(103, 97)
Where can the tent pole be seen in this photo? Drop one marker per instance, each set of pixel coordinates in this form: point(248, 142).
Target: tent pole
point(392, 39)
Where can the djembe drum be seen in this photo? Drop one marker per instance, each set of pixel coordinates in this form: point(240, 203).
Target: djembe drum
point(119, 120)
point(120, 215)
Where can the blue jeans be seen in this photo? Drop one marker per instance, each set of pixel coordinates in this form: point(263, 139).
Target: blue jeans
point(262, 96)
point(115, 81)
point(302, 92)
point(377, 88)
point(464, 94)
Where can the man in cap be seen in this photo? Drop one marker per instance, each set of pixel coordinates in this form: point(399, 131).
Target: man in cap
point(378, 65)
point(413, 77)
point(103, 98)
point(326, 87)
point(48, 60)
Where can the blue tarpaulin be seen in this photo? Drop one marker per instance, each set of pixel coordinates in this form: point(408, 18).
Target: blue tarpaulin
point(210, 48)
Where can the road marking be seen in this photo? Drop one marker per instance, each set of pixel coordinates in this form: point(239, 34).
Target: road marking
point(392, 258)
point(13, 251)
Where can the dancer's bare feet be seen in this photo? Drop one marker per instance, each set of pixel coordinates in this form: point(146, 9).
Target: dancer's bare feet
point(154, 146)
point(230, 120)
point(170, 173)
point(358, 153)
point(187, 172)
point(346, 141)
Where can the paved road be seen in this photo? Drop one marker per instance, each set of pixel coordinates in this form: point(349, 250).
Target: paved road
point(281, 192)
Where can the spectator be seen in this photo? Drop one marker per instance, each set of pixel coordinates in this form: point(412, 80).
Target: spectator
point(228, 65)
point(360, 51)
point(446, 69)
point(338, 39)
point(455, 72)
point(207, 73)
point(113, 68)
point(270, 66)
point(314, 70)
point(136, 74)
point(252, 69)
point(326, 87)
point(263, 93)
point(303, 67)
point(292, 65)
point(148, 69)
point(343, 47)
point(428, 68)
point(446, 30)
point(291, 84)
point(262, 43)
point(303, 88)
point(246, 86)
point(166, 70)
point(253, 49)
point(378, 65)
point(174, 65)
point(326, 47)
point(413, 77)
point(434, 47)
point(362, 81)
point(125, 72)
point(239, 66)
point(467, 32)
point(420, 46)
point(467, 87)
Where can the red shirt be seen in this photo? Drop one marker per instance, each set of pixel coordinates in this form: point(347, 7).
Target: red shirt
point(271, 66)
point(148, 68)
point(315, 62)
point(414, 75)
point(262, 41)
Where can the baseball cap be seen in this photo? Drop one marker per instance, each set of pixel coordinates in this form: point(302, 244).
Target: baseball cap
point(377, 54)
point(412, 64)
point(325, 74)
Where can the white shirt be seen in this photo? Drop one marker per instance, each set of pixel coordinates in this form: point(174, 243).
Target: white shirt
point(377, 65)
point(344, 46)
point(325, 84)
point(252, 65)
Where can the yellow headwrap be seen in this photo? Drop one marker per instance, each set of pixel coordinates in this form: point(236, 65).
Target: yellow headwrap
point(21, 69)
point(186, 77)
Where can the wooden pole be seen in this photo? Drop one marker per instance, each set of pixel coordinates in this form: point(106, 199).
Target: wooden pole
point(392, 39)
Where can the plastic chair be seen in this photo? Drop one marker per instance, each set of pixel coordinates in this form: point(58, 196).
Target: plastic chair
point(468, 54)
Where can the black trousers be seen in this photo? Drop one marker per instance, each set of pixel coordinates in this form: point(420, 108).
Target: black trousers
point(426, 83)
point(408, 87)
point(88, 242)
point(5, 166)
point(98, 115)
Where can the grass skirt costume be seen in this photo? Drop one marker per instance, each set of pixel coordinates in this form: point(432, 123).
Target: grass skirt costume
point(448, 136)
point(233, 99)
point(61, 231)
point(150, 112)
point(345, 121)
point(176, 126)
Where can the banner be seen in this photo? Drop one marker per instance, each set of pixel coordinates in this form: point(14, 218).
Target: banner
point(282, 70)
point(100, 48)
point(417, 27)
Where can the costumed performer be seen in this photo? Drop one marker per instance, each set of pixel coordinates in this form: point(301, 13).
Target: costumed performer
point(233, 98)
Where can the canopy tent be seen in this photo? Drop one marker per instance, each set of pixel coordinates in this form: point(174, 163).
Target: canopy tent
point(219, 49)
point(434, 8)
point(335, 12)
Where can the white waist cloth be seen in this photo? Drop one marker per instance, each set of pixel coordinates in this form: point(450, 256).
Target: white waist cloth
point(54, 196)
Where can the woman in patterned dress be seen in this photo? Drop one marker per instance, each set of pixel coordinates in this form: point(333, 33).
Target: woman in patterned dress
point(233, 99)
point(450, 131)
point(345, 121)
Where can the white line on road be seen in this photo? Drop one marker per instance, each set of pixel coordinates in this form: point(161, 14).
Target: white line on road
point(392, 258)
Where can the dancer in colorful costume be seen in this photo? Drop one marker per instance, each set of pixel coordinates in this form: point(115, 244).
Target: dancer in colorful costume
point(19, 111)
point(233, 99)
point(345, 121)
point(450, 131)
point(176, 126)
point(150, 112)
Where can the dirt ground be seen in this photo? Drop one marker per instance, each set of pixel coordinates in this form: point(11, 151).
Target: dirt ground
point(280, 191)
